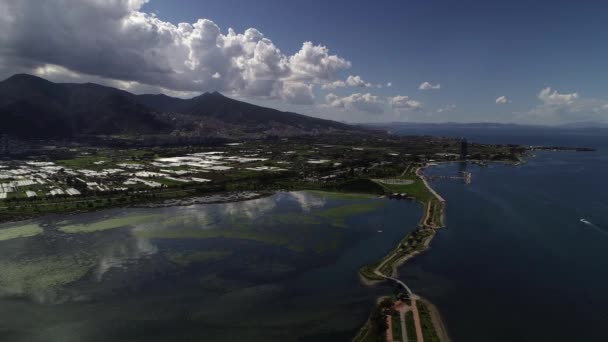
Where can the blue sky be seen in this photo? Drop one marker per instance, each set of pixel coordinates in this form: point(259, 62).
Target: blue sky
point(476, 50)
point(493, 60)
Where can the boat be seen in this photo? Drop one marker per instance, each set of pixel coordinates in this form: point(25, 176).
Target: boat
point(585, 221)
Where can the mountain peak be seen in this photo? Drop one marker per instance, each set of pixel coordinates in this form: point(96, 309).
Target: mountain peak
point(213, 94)
point(29, 105)
point(21, 78)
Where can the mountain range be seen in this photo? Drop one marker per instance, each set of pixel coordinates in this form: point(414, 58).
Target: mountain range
point(32, 107)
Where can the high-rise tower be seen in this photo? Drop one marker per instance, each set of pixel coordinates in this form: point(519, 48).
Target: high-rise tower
point(4, 147)
point(464, 148)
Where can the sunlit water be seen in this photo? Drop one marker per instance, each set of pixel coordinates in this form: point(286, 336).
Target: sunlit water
point(280, 268)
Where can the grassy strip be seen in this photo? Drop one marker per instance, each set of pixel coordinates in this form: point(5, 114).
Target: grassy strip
point(342, 195)
point(428, 330)
point(396, 328)
point(410, 326)
point(367, 272)
point(416, 189)
point(413, 243)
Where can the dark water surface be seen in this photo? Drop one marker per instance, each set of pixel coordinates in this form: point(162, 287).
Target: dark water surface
point(516, 263)
point(281, 268)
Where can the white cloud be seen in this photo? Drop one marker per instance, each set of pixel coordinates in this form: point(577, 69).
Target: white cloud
point(367, 103)
point(429, 86)
point(351, 81)
point(314, 63)
point(404, 103)
point(298, 93)
point(357, 81)
point(554, 98)
point(568, 107)
point(114, 41)
point(502, 100)
point(389, 84)
point(334, 85)
point(447, 108)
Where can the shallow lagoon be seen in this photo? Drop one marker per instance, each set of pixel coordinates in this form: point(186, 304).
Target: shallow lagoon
point(282, 268)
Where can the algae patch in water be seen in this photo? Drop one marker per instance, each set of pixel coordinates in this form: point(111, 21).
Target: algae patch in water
point(108, 224)
point(342, 195)
point(20, 232)
point(35, 276)
point(188, 258)
point(337, 215)
point(241, 234)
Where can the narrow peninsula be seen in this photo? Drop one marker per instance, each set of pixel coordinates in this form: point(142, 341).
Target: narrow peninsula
point(407, 316)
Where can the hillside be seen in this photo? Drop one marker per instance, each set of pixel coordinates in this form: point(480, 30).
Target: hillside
point(32, 107)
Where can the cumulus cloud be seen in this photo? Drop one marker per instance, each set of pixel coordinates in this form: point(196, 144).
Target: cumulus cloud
point(556, 107)
point(429, 86)
point(404, 103)
point(447, 108)
point(357, 81)
point(549, 97)
point(367, 103)
point(115, 41)
point(351, 81)
point(298, 93)
point(334, 85)
point(314, 63)
point(502, 100)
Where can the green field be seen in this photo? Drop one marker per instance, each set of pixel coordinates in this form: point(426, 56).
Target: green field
point(410, 326)
point(428, 330)
point(396, 328)
point(417, 189)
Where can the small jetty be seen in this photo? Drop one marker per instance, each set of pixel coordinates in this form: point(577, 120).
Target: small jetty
point(465, 176)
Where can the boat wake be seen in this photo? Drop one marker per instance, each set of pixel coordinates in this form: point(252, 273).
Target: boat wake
point(586, 222)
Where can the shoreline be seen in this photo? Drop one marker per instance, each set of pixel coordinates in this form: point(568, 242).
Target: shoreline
point(227, 197)
point(413, 244)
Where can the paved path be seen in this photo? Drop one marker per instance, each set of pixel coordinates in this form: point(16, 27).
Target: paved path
point(414, 309)
point(419, 173)
point(417, 319)
point(389, 331)
point(403, 327)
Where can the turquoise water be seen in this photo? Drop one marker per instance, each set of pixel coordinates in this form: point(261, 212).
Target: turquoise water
point(515, 262)
point(281, 268)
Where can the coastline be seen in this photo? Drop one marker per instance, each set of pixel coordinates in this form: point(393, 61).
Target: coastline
point(228, 197)
point(416, 242)
point(411, 245)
